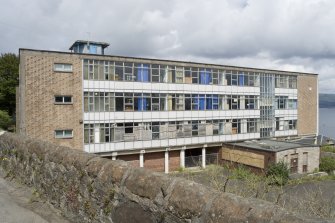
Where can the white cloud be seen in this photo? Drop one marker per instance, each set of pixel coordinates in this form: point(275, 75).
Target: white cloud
point(291, 35)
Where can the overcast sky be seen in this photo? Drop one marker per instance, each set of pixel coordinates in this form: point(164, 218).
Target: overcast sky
point(293, 35)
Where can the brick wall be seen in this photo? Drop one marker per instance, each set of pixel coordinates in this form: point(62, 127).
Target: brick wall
point(307, 104)
point(154, 161)
point(132, 159)
point(41, 117)
point(174, 160)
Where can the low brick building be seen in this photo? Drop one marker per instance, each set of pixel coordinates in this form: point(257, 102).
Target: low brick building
point(259, 154)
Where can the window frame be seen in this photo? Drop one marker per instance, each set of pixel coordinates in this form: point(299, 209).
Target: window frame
point(64, 136)
point(63, 102)
point(63, 69)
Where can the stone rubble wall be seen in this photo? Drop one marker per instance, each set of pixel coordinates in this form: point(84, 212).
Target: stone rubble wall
point(88, 188)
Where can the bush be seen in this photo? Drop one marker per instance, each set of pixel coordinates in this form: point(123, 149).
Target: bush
point(5, 120)
point(327, 164)
point(241, 172)
point(278, 173)
point(328, 148)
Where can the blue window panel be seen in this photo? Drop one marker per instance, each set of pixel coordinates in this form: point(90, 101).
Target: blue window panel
point(215, 102)
point(208, 77)
point(93, 49)
point(205, 77)
point(195, 102)
point(201, 102)
point(209, 102)
point(142, 104)
point(241, 79)
point(143, 73)
point(202, 76)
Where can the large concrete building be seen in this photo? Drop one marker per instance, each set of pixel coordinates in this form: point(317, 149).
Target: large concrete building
point(156, 113)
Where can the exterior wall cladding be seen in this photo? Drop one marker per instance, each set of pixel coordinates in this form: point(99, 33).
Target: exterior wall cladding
point(114, 105)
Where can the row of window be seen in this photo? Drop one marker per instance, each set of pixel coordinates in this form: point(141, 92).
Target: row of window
point(110, 132)
point(157, 73)
point(129, 131)
point(110, 101)
point(115, 132)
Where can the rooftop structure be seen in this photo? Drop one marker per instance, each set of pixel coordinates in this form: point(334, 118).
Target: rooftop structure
point(83, 46)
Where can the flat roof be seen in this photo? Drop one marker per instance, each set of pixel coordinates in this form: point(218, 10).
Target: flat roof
point(170, 61)
point(269, 145)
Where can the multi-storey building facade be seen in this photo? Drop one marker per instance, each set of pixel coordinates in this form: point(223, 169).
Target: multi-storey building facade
point(155, 112)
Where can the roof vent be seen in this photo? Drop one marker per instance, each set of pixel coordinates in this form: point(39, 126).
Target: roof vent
point(91, 47)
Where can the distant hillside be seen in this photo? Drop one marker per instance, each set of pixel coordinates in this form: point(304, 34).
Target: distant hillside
point(327, 100)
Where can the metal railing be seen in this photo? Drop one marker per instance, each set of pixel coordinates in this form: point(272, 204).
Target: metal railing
point(194, 161)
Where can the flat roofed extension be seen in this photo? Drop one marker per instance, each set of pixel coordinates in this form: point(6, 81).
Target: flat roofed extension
point(269, 145)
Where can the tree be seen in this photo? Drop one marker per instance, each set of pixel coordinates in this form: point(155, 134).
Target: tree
point(9, 79)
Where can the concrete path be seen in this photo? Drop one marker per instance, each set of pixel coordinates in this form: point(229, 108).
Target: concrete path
point(20, 204)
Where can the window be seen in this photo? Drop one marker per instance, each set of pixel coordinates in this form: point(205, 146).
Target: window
point(281, 81)
point(155, 73)
point(292, 124)
point(179, 75)
point(233, 102)
point(292, 103)
point(63, 67)
point(98, 102)
point(188, 76)
point(63, 99)
point(252, 125)
point(215, 77)
point(195, 125)
point(195, 76)
point(88, 133)
point(155, 130)
point(251, 102)
point(63, 134)
point(119, 102)
point(128, 102)
point(292, 82)
point(304, 162)
point(281, 102)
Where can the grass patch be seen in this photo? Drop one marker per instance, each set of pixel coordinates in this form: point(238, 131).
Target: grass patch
point(328, 148)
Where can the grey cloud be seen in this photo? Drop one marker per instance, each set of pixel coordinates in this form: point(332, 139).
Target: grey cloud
point(292, 35)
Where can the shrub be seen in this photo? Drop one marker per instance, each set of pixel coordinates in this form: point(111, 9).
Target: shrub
point(5, 120)
point(327, 164)
point(241, 172)
point(278, 173)
point(328, 148)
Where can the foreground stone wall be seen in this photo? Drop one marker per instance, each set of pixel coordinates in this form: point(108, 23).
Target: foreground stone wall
point(88, 188)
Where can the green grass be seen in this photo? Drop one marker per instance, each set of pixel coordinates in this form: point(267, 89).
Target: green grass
point(328, 148)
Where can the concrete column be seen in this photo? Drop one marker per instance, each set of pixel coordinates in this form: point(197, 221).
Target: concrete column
point(142, 158)
point(96, 134)
point(203, 163)
point(166, 162)
point(182, 157)
point(244, 126)
point(114, 154)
